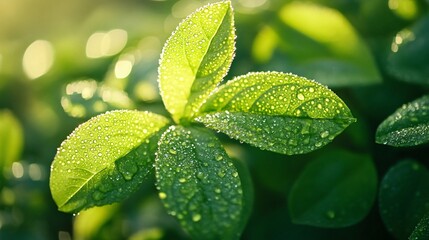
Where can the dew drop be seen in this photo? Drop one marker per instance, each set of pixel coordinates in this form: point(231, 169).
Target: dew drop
point(293, 142)
point(200, 175)
point(97, 195)
point(172, 151)
point(324, 134)
point(162, 195)
point(221, 173)
point(218, 190)
point(318, 144)
point(330, 214)
point(219, 157)
point(300, 96)
point(235, 174)
point(196, 217)
point(182, 180)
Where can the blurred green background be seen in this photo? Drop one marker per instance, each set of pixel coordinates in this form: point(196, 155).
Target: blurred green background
point(62, 62)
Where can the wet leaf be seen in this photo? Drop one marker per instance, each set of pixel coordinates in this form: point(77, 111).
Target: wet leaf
point(87, 98)
point(421, 231)
point(199, 183)
point(407, 126)
point(276, 111)
point(409, 59)
point(335, 190)
point(105, 159)
point(317, 42)
point(11, 139)
point(403, 197)
point(196, 58)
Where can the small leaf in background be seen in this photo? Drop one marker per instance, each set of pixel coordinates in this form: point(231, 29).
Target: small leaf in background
point(11, 139)
point(105, 159)
point(199, 184)
point(407, 126)
point(275, 111)
point(196, 58)
point(403, 197)
point(89, 222)
point(316, 42)
point(421, 231)
point(87, 98)
point(335, 190)
point(409, 59)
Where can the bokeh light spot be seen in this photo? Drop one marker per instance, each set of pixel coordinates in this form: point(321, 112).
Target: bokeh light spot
point(38, 58)
point(104, 44)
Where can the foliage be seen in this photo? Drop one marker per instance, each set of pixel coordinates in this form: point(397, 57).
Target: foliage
point(87, 62)
point(107, 157)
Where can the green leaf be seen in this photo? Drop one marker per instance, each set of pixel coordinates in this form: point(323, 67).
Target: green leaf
point(89, 222)
point(421, 231)
point(276, 111)
point(11, 139)
point(407, 126)
point(196, 58)
point(409, 59)
point(199, 183)
point(87, 98)
point(336, 190)
point(403, 197)
point(105, 159)
point(316, 42)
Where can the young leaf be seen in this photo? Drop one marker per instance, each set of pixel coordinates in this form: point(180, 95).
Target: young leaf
point(199, 183)
point(276, 111)
point(105, 159)
point(408, 126)
point(196, 58)
point(403, 197)
point(336, 190)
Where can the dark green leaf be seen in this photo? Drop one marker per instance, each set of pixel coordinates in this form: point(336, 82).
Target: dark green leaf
point(409, 59)
point(105, 159)
point(404, 197)
point(196, 58)
point(199, 183)
point(276, 111)
point(421, 232)
point(408, 126)
point(335, 190)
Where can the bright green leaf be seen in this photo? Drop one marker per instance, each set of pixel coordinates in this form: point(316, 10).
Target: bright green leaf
point(11, 139)
point(196, 58)
point(335, 190)
point(407, 126)
point(403, 197)
point(421, 231)
point(87, 98)
point(279, 112)
point(199, 183)
point(88, 223)
point(105, 159)
point(409, 59)
point(316, 42)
